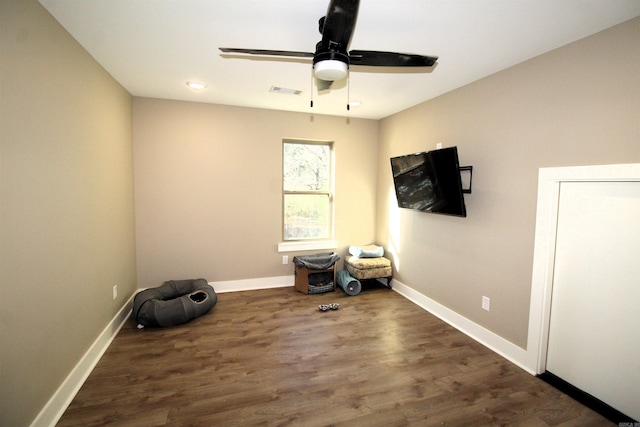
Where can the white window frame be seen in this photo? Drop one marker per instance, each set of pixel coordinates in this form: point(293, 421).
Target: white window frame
point(311, 244)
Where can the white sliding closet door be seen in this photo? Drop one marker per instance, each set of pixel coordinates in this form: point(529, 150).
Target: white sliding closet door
point(594, 328)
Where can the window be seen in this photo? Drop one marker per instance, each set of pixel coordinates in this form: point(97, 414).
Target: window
point(307, 190)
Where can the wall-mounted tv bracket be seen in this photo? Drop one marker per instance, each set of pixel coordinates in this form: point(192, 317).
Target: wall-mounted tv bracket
point(466, 172)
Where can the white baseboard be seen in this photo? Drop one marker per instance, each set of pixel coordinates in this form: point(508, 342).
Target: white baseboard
point(55, 407)
point(253, 284)
point(494, 342)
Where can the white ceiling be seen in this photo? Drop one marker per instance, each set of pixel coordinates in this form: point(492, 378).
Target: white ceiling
point(152, 47)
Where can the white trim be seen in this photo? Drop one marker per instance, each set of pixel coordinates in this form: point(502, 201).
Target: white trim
point(492, 341)
point(549, 180)
point(253, 284)
point(314, 245)
point(489, 339)
point(61, 399)
point(54, 409)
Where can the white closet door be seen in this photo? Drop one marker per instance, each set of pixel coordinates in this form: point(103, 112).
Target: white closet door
point(594, 332)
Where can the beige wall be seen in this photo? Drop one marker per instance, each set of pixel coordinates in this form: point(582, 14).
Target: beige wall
point(578, 105)
point(208, 180)
point(67, 213)
point(208, 183)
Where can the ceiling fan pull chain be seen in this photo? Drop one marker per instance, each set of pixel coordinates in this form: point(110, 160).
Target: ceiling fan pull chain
point(348, 92)
point(311, 91)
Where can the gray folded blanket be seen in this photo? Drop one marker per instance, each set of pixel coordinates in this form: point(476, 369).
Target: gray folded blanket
point(321, 261)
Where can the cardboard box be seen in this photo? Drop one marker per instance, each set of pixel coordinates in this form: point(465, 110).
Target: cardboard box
point(302, 278)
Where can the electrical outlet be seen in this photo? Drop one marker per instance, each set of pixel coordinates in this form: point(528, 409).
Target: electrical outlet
point(285, 259)
point(438, 145)
point(486, 303)
point(115, 291)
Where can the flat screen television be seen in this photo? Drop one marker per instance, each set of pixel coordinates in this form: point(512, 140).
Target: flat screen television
point(430, 182)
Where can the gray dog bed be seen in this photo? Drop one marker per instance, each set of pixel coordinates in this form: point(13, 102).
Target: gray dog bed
point(174, 303)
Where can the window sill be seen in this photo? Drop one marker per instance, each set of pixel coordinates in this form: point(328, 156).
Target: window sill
point(311, 245)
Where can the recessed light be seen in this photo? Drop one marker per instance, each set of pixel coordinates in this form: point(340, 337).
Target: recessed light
point(196, 85)
point(355, 104)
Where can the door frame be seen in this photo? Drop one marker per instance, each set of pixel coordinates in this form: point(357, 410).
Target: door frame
point(549, 180)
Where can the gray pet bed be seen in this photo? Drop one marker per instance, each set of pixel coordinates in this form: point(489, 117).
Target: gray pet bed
point(174, 303)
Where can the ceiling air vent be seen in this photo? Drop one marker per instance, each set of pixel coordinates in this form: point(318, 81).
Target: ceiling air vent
point(285, 91)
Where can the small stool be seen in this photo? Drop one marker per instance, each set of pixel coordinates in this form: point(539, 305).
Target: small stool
point(369, 268)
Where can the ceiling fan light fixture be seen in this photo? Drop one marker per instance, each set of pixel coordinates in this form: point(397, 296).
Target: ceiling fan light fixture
point(330, 70)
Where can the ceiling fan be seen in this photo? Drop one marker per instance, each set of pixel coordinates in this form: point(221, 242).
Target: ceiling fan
point(331, 60)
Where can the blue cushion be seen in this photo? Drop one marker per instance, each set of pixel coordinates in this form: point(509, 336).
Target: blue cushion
point(368, 251)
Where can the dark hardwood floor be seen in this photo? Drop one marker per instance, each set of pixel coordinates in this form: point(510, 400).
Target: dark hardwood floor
point(270, 357)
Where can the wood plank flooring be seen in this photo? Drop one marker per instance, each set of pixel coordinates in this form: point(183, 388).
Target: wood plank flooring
point(271, 358)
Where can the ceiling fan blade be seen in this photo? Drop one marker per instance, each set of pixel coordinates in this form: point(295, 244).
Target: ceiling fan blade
point(331, 58)
point(337, 26)
point(267, 52)
point(390, 59)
